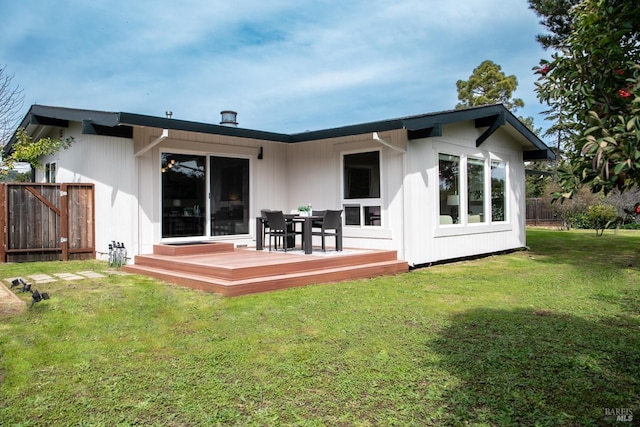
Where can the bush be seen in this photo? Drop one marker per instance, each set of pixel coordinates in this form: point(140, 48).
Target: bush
point(601, 216)
point(579, 220)
point(630, 226)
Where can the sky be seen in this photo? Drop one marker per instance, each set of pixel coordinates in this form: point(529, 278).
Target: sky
point(284, 65)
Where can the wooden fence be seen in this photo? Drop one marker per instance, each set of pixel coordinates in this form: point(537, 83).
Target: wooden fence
point(539, 212)
point(46, 222)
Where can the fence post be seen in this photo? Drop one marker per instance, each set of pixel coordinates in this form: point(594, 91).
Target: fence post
point(64, 222)
point(3, 222)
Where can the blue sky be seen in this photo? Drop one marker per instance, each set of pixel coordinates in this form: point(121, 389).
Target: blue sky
point(283, 65)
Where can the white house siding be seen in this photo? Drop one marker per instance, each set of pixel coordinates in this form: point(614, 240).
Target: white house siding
point(314, 174)
point(108, 163)
point(290, 175)
point(427, 240)
point(268, 183)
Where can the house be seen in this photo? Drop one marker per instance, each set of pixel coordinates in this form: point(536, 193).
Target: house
point(433, 187)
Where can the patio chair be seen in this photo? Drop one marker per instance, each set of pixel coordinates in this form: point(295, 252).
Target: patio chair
point(265, 226)
point(280, 227)
point(317, 223)
point(332, 221)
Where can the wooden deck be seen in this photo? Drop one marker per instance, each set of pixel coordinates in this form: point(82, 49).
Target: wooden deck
point(223, 269)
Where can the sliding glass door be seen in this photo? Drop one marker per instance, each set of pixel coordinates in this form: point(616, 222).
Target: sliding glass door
point(187, 184)
point(183, 195)
point(229, 183)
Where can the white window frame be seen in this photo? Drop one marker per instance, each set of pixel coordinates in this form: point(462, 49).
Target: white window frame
point(50, 177)
point(464, 226)
point(362, 203)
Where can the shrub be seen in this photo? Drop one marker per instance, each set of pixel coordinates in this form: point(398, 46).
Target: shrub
point(601, 216)
point(579, 220)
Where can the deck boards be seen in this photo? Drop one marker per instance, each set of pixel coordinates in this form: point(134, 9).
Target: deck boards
point(242, 271)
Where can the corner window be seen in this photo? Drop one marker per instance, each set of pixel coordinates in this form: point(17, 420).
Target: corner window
point(361, 189)
point(498, 190)
point(475, 190)
point(470, 202)
point(449, 171)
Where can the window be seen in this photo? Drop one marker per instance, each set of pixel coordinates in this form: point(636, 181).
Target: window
point(361, 183)
point(498, 189)
point(50, 172)
point(475, 190)
point(449, 171)
point(470, 203)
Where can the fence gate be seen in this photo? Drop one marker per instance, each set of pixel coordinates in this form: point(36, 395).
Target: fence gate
point(46, 222)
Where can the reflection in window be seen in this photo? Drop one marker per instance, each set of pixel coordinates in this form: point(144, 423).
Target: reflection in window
point(475, 190)
point(498, 187)
point(229, 188)
point(449, 171)
point(352, 215)
point(183, 195)
point(361, 177)
point(50, 172)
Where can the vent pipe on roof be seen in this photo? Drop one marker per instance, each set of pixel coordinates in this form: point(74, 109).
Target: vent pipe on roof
point(229, 118)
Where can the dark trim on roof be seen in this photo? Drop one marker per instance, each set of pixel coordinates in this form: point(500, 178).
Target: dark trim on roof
point(91, 128)
point(493, 122)
point(418, 127)
point(360, 129)
point(529, 155)
point(188, 126)
point(48, 121)
point(428, 132)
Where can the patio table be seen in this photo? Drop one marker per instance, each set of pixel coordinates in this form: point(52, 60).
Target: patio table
point(307, 221)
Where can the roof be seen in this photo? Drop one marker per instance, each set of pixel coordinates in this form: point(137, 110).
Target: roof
point(121, 124)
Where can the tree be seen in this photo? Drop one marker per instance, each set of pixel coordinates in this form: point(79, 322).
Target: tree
point(555, 17)
point(11, 99)
point(488, 84)
point(25, 149)
point(593, 80)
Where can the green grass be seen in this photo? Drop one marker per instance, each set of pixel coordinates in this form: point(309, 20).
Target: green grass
point(547, 337)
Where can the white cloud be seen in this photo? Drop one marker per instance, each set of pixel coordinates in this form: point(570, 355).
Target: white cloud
point(284, 65)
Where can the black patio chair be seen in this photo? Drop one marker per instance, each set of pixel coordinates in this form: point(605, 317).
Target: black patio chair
point(265, 226)
point(280, 227)
point(317, 223)
point(332, 221)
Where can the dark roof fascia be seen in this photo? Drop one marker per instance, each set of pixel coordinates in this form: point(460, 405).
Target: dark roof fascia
point(482, 116)
point(359, 129)
point(43, 115)
point(103, 118)
point(184, 125)
point(420, 126)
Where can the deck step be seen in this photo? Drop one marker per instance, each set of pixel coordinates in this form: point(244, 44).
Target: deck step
point(270, 282)
point(240, 265)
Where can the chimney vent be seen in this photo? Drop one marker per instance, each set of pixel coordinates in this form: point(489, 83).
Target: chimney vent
point(229, 118)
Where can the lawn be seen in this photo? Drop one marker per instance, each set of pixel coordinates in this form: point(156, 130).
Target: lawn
point(549, 336)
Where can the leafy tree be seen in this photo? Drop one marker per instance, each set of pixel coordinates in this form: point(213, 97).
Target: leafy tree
point(593, 82)
point(536, 183)
point(601, 216)
point(555, 17)
point(25, 149)
point(488, 84)
point(11, 98)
